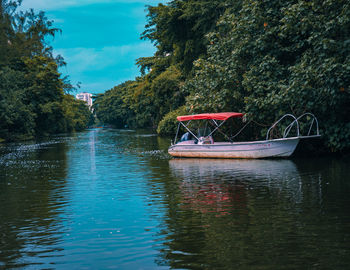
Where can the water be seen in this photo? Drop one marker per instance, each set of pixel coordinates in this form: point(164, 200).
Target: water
point(114, 199)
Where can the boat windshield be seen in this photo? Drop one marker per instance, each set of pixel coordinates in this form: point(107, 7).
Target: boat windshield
point(203, 131)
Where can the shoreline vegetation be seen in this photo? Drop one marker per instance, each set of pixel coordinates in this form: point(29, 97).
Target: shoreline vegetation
point(34, 98)
point(263, 58)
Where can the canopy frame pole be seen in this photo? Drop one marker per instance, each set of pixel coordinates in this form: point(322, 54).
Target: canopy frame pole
point(189, 129)
point(177, 132)
point(217, 127)
point(214, 122)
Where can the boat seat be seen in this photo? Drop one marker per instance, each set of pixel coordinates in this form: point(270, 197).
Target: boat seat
point(206, 140)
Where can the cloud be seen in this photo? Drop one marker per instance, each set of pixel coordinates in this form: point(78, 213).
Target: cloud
point(98, 59)
point(62, 4)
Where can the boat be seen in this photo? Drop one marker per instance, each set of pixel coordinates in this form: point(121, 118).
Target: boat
point(201, 144)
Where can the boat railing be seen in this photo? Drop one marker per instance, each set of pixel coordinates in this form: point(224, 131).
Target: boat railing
point(296, 122)
point(313, 121)
point(287, 129)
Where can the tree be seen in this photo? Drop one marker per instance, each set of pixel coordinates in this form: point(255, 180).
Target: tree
point(17, 120)
point(178, 29)
point(77, 115)
point(280, 57)
point(111, 106)
point(44, 94)
point(32, 92)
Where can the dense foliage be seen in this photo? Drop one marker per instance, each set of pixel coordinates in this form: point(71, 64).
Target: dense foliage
point(280, 57)
point(33, 96)
point(264, 58)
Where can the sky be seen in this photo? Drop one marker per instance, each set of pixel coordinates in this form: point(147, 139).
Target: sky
point(100, 39)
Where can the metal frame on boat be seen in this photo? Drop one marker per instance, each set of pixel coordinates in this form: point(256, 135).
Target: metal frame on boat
point(205, 147)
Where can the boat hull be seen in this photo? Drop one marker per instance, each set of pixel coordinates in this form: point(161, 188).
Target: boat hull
point(256, 149)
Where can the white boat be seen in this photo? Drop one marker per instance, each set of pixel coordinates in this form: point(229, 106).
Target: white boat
point(205, 147)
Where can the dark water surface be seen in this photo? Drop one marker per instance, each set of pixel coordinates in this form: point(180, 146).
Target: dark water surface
point(114, 199)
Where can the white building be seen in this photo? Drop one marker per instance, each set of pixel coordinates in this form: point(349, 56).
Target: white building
point(85, 97)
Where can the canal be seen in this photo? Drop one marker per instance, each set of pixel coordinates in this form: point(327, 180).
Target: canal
point(113, 199)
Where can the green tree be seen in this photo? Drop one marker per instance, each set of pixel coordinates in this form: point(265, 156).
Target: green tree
point(112, 107)
point(17, 121)
point(280, 57)
point(32, 92)
point(77, 115)
point(179, 27)
point(45, 94)
point(166, 91)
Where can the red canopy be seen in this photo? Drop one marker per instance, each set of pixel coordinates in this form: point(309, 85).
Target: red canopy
point(214, 116)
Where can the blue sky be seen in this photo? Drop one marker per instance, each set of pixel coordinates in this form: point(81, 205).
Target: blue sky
point(100, 39)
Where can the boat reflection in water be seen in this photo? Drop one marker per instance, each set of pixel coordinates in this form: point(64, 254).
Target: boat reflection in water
point(222, 185)
point(249, 214)
point(251, 167)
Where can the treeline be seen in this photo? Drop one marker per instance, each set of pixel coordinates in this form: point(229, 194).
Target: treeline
point(264, 58)
point(34, 99)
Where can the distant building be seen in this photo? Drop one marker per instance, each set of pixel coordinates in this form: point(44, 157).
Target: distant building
point(85, 97)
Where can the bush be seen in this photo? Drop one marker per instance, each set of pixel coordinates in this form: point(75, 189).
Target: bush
point(168, 125)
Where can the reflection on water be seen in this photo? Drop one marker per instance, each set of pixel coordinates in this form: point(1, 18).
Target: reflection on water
point(280, 174)
point(252, 214)
point(32, 197)
point(218, 186)
point(114, 199)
